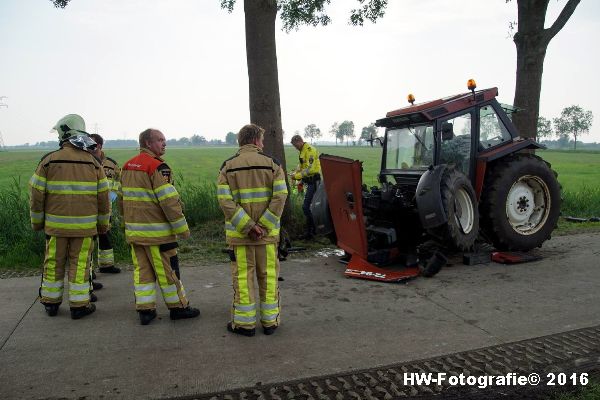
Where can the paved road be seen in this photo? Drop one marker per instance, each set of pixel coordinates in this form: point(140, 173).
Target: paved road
point(330, 324)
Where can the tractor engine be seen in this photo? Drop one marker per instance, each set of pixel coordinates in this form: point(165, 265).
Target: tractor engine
point(388, 210)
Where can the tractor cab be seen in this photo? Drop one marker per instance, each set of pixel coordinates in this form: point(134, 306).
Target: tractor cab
point(453, 130)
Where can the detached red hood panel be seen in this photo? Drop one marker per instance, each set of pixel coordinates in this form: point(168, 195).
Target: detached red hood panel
point(343, 184)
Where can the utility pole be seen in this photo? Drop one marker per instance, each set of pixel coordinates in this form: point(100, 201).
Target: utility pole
point(2, 146)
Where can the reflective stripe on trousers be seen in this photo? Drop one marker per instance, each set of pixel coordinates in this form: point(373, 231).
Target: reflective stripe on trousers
point(106, 257)
point(262, 261)
point(152, 265)
point(76, 253)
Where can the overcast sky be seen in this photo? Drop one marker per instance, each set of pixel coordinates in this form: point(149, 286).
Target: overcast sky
point(180, 65)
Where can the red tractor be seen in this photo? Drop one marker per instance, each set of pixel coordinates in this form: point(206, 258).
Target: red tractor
point(453, 171)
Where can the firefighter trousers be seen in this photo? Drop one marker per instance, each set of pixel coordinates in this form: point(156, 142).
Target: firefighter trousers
point(106, 256)
point(151, 265)
point(249, 260)
point(75, 252)
point(311, 188)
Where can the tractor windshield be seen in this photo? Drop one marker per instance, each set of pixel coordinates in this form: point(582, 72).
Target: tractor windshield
point(410, 147)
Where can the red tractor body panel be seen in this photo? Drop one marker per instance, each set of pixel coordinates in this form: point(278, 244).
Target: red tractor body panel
point(347, 215)
point(344, 194)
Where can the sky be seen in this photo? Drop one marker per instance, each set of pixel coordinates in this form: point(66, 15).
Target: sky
point(180, 65)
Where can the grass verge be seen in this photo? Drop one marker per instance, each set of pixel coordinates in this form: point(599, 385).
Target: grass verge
point(588, 392)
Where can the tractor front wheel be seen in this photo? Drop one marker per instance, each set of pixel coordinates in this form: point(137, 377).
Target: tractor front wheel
point(520, 203)
point(460, 205)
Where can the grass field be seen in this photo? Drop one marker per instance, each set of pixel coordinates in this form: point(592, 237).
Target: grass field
point(576, 170)
point(193, 165)
point(196, 170)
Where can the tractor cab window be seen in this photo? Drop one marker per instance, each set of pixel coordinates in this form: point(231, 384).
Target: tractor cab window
point(410, 147)
point(491, 129)
point(456, 142)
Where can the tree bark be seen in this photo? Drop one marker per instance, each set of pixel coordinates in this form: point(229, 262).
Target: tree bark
point(531, 41)
point(263, 77)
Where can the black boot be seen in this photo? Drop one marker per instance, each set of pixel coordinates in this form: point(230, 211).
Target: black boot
point(93, 274)
point(110, 270)
point(80, 312)
point(269, 330)
point(97, 285)
point(93, 298)
point(146, 316)
point(51, 308)
point(241, 331)
point(182, 313)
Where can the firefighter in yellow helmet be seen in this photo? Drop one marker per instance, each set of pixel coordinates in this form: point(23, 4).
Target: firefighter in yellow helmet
point(252, 192)
point(309, 172)
point(154, 220)
point(69, 202)
point(106, 258)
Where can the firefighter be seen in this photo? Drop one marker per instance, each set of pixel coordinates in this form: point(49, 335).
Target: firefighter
point(252, 193)
point(69, 202)
point(309, 172)
point(154, 220)
point(106, 258)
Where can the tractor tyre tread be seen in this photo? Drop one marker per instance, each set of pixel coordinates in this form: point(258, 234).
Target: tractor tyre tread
point(450, 232)
point(499, 179)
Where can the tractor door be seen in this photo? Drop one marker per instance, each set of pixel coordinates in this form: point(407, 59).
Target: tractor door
point(344, 193)
point(457, 147)
point(493, 128)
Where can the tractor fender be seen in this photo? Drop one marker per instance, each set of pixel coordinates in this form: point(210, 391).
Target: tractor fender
point(429, 198)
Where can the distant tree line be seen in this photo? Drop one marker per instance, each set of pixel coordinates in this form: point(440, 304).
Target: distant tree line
point(194, 140)
point(342, 132)
point(573, 122)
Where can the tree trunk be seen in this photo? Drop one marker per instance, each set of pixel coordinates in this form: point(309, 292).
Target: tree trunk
point(531, 45)
point(263, 78)
point(531, 41)
point(530, 67)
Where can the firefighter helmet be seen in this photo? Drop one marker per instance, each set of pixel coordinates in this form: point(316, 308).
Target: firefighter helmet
point(70, 125)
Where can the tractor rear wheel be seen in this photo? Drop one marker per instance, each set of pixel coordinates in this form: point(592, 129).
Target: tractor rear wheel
point(520, 203)
point(460, 205)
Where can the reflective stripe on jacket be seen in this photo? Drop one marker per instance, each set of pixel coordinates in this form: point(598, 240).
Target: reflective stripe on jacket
point(309, 162)
point(112, 171)
point(149, 204)
point(69, 194)
point(251, 189)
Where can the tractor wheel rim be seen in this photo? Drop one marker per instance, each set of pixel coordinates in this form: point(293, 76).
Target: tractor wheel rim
point(464, 211)
point(528, 204)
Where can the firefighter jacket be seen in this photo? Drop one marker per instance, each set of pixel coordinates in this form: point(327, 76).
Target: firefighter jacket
point(310, 166)
point(149, 203)
point(69, 194)
point(112, 171)
point(251, 189)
